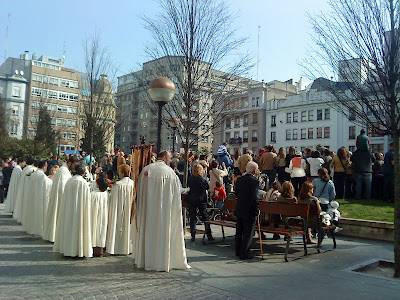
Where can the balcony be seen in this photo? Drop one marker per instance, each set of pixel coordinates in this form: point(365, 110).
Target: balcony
point(245, 140)
point(236, 141)
point(254, 139)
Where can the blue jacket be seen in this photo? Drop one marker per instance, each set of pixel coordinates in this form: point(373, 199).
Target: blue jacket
point(327, 193)
point(224, 158)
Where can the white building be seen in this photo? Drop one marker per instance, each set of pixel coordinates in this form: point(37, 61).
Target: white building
point(311, 118)
point(13, 95)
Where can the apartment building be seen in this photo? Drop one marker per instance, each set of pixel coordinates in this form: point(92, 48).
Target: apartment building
point(29, 83)
point(312, 118)
point(136, 119)
point(245, 115)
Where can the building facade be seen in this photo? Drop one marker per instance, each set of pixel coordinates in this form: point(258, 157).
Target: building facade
point(137, 120)
point(312, 118)
point(245, 116)
point(31, 83)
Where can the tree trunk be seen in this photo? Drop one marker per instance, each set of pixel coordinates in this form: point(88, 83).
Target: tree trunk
point(186, 170)
point(396, 197)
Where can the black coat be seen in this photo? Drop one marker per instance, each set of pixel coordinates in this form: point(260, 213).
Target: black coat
point(246, 192)
point(198, 190)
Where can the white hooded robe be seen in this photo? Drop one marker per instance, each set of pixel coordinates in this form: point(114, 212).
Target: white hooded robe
point(158, 237)
point(119, 214)
point(22, 188)
point(99, 217)
point(26, 199)
point(12, 189)
point(57, 189)
point(39, 192)
point(73, 234)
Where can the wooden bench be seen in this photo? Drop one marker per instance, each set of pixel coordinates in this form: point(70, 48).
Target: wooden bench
point(297, 218)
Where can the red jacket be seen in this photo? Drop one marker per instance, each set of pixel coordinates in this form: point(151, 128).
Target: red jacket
point(220, 195)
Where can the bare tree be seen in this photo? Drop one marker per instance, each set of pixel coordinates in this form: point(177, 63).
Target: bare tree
point(359, 42)
point(97, 107)
point(195, 38)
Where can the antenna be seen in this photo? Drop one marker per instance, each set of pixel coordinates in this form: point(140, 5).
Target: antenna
point(6, 46)
point(258, 48)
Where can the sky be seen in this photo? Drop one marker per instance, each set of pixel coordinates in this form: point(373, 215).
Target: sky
point(53, 28)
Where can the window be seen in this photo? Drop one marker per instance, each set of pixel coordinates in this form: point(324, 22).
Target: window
point(255, 102)
point(303, 133)
point(14, 129)
point(310, 115)
point(16, 91)
point(36, 92)
point(327, 113)
point(228, 123)
point(377, 148)
point(15, 110)
point(289, 118)
point(327, 132)
point(255, 118)
point(141, 116)
point(254, 136)
point(319, 133)
point(352, 148)
point(245, 136)
point(352, 132)
point(53, 95)
point(245, 103)
point(295, 134)
point(53, 81)
point(227, 136)
point(273, 121)
point(63, 96)
point(303, 116)
point(236, 134)
point(319, 114)
point(273, 137)
point(237, 122)
point(246, 120)
point(295, 117)
point(288, 135)
point(352, 116)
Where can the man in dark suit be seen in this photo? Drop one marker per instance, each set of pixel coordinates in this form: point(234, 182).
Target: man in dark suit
point(246, 210)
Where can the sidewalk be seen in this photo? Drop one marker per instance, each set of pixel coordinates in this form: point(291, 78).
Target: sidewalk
point(29, 269)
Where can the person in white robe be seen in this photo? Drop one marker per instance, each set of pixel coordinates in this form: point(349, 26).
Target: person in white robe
point(39, 192)
point(61, 177)
point(158, 237)
point(99, 201)
point(22, 193)
point(73, 234)
point(119, 214)
point(13, 186)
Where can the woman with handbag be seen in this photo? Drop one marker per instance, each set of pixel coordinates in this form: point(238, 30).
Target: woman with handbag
point(324, 189)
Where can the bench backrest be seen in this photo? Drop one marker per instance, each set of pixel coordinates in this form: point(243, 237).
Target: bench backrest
point(230, 204)
point(282, 208)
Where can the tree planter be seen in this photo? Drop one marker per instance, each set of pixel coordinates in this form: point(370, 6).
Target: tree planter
point(366, 229)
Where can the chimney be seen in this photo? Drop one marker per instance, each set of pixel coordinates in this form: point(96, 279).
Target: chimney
point(26, 55)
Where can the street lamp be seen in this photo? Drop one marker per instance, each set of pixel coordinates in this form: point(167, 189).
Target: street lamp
point(173, 123)
point(161, 91)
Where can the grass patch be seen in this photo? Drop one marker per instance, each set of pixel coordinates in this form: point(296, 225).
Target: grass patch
point(373, 209)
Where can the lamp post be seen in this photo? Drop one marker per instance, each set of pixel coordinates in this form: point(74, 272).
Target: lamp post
point(173, 123)
point(161, 91)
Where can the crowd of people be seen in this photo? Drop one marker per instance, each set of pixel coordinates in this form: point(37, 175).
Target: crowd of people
point(88, 212)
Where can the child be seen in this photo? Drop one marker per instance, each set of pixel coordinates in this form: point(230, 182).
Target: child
point(335, 215)
point(219, 194)
point(274, 192)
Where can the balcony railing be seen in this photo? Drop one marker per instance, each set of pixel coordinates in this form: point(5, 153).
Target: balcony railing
point(254, 139)
point(245, 140)
point(235, 141)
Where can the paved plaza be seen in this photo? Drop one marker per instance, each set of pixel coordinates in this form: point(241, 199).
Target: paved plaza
point(29, 269)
